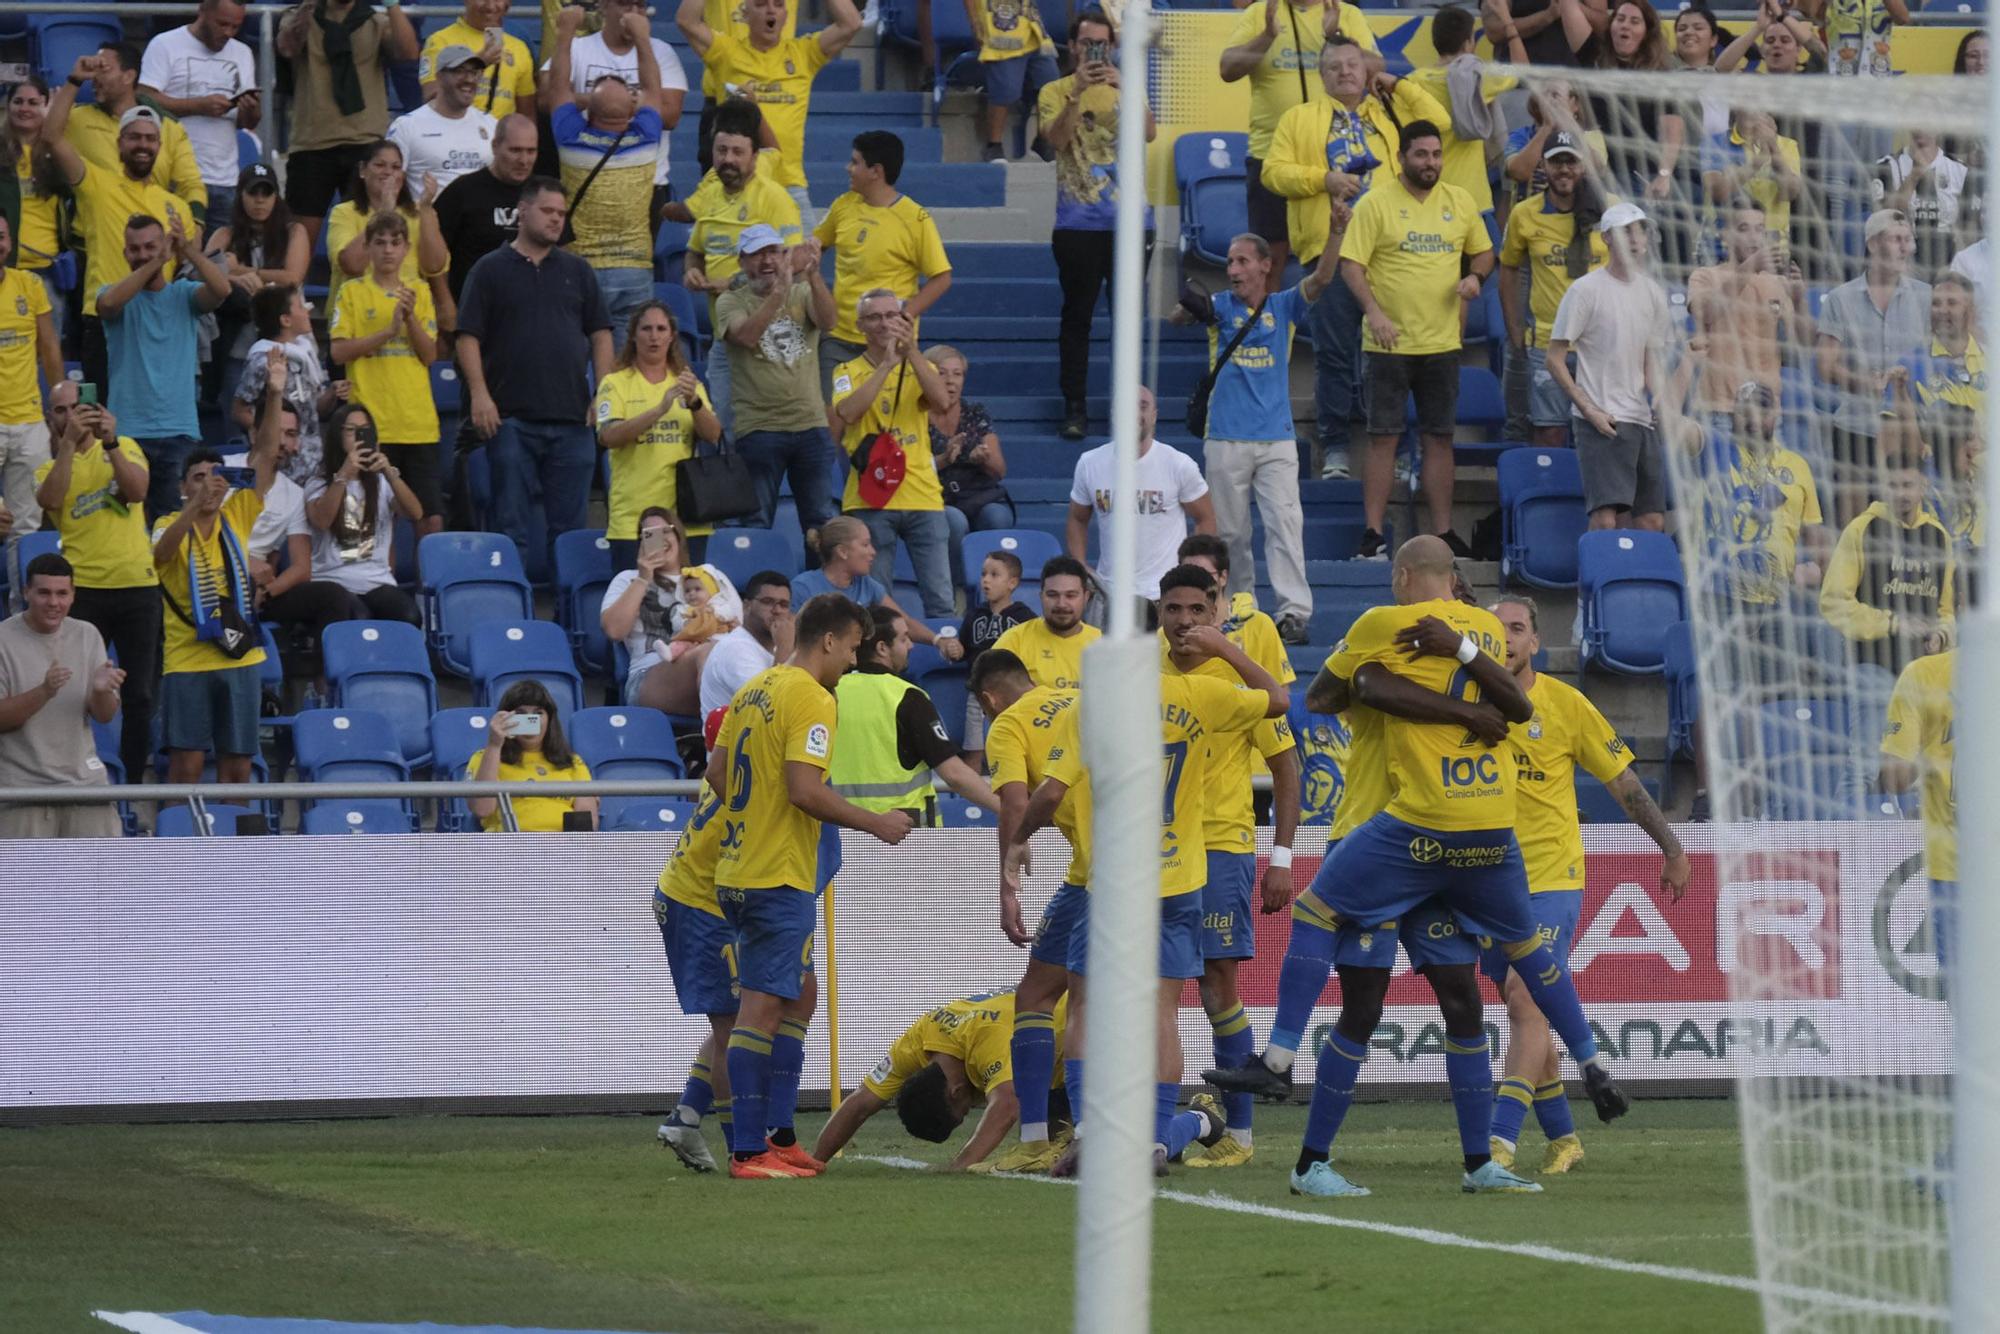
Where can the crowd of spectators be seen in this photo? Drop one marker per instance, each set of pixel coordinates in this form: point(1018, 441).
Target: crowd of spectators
point(504, 226)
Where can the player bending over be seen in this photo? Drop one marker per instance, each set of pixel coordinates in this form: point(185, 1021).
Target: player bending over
point(950, 1059)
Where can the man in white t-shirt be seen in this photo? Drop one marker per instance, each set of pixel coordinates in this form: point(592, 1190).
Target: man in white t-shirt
point(1609, 319)
point(610, 50)
point(207, 79)
point(1171, 493)
point(446, 137)
point(764, 637)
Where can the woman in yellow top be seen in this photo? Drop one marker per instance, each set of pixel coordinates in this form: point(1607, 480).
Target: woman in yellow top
point(36, 242)
point(525, 743)
point(651, 411)
point(379, 186)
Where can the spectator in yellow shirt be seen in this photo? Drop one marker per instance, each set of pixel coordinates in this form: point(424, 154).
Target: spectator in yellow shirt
point(525, 744)
point(508, 84)
point(1017, 60)
point(95, 127)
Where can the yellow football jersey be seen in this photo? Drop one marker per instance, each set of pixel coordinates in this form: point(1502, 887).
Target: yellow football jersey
point(783, 715)
point(1440, 777)
point(1229, 823)
point(1051, 660)
point(1364, 786)
point(1920, 731)
point(689, 875)
point(978, 1030)
point(1192, 710)
point(1412, 250)
point(1566, 731)
point(1017, 751)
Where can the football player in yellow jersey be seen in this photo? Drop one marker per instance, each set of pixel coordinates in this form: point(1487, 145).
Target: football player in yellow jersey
point(1228, 932)
point(1025, 721)
point(948, 1060)
point(1052, 646)
point(1565, 733)
point(1192, 710)
point(770, 773)
point(1918, 745)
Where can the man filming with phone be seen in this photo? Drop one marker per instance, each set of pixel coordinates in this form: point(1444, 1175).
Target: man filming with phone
point(1079, 119)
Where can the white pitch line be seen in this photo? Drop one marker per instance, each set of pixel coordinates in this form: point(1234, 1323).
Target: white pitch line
point(144, 1322)
point(1526, 1250)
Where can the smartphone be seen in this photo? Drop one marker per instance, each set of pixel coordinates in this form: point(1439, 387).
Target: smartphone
point(654, 540)
point(495, 34)
point(1097, 51)
point(86, 395)
point(577, 822)
point(524, 724)
point(244, 479)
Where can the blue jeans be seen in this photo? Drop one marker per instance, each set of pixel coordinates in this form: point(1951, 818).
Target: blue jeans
point(163, 467)
point(221, 199)
point(807, 456)
point(992, 515)
point(625, 290)
point(715, 372)
point(545, 463)
point(1335, 322)
point(927, 534)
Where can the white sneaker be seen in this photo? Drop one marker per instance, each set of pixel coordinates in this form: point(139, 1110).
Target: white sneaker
point(688, 1145)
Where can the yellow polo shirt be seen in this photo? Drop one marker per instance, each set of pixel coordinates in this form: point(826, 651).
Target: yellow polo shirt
point(874, 247)
point(898, 409)
point(93, 132)
point(105, 200)
point(781, 80)
point(103, 537)
point(1412, 250)
point(1539, 238)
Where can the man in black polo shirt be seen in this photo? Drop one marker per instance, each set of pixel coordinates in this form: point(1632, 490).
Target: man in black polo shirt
point(531, 325)
point(476, 212)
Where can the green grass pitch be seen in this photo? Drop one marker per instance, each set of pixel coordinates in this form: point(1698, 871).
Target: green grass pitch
point(585, 1222)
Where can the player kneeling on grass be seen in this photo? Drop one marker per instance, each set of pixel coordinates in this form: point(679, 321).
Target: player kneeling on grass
point(943, 1064)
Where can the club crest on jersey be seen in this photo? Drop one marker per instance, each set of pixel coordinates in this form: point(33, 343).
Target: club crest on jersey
point(791, 68)
point(20, 305)
point(1426, 850)
point(1535, 728)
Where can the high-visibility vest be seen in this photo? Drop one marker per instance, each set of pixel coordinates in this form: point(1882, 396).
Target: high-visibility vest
point(866, 769)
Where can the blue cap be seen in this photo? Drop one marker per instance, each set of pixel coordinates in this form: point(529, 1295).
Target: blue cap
point(758, 236)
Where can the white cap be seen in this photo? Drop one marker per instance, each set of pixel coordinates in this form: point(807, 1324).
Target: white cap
point(1621, 214)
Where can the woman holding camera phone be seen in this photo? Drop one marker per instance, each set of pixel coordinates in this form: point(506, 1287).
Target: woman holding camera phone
point(643, 607)
point(525, 744)
point(651, 412)
point(349, 507)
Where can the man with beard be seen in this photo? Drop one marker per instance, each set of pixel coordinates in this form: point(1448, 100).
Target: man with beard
point(1404, 257)
point(732, 198)
point(106, 199)
point(1542, 236)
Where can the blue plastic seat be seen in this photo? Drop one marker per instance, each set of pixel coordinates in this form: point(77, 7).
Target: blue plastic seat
point(1812, 758)
point(1032, 547)
point(382, 666)
point(456, 736)
point(583, 572)
point(469, 580)
point(248, 151)
point(356, 817)
point(742, 552)
point(955, 812)
point(59, 38)
point(1596, 805)
point(177, 821)
point(348, 746)
point(946, 685)
point(1209, 172)
point(647, 814)
point(41, 542)
point(1630, 588)
point(1683, 706)
point(1541, 516)
point(625, 743)
point(510, 651)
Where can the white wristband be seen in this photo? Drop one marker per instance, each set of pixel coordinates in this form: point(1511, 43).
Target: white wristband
point(1281, 857)
point(1467, 650)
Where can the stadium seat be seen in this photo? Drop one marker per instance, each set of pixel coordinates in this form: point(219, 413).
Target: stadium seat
point(1208, 171)
point(742, 552)
point(1631, 589)
point(59, 38)
point(1032, 547)
point(583, 572)
point(1683, 708)
point(469, 579)
point(955, 812)
point(1816, 755)
point(248, 154)
point(947, 689)
point(650, 814)
point(507, 652)
point(626, 743)
point(1541, 516)
point(356, 817)
point(40, 542)
point(348, 746)
point(177, 821)
point(1596, 805)
point(685, 320)
point(456, 736)
point(382, 666)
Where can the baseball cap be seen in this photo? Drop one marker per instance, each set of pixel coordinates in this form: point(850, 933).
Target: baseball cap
point(758, 236)
point(1756, 390)
point(257, 176)
point(1562, 144)
point(1620, 214)
point(141, 112)
point(457, 54)
point(1881, 220)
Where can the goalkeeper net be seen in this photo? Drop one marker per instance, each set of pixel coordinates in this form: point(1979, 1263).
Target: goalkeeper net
point(1820, 397)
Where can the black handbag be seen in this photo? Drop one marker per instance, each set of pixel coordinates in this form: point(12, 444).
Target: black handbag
point(714, 487)
point(1197, 412)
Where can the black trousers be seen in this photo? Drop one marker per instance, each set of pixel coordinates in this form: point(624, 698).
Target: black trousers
point(1083, 268)
point(321, 603)
point(130, 621)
